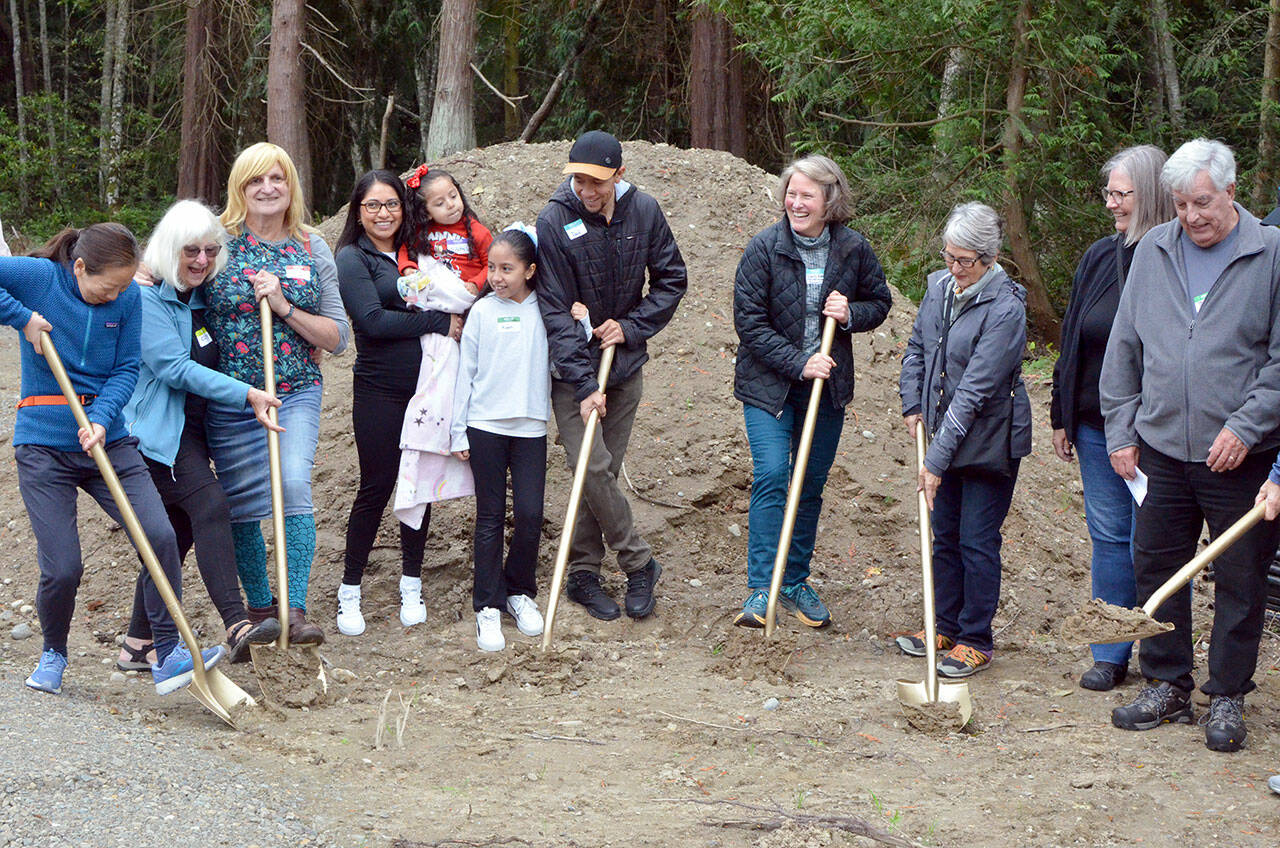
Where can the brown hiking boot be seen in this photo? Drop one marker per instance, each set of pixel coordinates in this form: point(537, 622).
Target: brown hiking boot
point(301, 631)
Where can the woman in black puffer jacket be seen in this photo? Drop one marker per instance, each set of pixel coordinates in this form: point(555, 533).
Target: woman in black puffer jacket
point(803, 269)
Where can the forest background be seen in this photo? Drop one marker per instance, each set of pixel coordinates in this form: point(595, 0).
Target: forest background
point(112, 109)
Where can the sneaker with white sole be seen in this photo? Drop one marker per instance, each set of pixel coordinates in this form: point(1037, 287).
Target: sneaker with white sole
point(179, 667)
point(350, 619)
point(48, 674)
point(525, 612)
point(489, 630)
point(412, 609)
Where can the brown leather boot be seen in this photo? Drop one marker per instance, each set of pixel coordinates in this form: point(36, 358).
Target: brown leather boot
point(257, 615)
point(301, 631)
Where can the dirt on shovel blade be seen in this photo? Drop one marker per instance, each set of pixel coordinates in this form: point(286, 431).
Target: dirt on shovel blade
point(1098, 623)
point(289, 678)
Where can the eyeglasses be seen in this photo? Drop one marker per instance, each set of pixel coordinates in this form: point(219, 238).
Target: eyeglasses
point(191, 251)
point(1109, 194)
point(373, 207)
point(962, 261)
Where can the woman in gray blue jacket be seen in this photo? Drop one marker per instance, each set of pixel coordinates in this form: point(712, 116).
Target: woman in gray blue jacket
point(176, 380)
point(962, 380)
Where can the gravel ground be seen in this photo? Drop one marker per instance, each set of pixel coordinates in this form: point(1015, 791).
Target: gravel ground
point(72, 774)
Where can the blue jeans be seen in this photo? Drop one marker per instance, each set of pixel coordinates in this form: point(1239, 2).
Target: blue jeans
point(968, 511)
point(773, 447)
point(1109, 512)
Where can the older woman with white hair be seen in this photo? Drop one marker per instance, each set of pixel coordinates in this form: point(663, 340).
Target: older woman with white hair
point(177, 379)
point(807, 267)
point(962, 381)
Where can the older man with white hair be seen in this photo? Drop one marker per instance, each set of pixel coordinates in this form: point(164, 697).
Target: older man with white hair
point(1190, 390)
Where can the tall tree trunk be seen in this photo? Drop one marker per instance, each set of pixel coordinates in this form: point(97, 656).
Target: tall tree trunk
point(1269, 116)
point(120, 41)
point(1039, 309)
point(104, 98)
point(422, 73)
point(511, 67)
point(1168, 69)
point(199, 174)
point(715, 86)
point(22, 113)
point(453, 123)
point(286, 108)
point(945, 137)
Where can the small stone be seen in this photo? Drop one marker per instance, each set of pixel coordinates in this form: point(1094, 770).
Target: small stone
point(21, 631)
point(695, 583)
point(342, 675)
point(771, 704)
point(25, 609)
point(867, 434)
point(495, 674)
point(735, 531)
point(118, 678)
point(1083, 781)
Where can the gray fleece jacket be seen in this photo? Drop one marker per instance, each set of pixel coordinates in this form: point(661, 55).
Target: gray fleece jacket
point(1175, 377)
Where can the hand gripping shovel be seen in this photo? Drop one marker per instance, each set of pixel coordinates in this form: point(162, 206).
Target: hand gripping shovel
point(209, 685)
point(797, 483)
point(1102, 623)
point(575, 495)
point(265, 656)
point(931, 690)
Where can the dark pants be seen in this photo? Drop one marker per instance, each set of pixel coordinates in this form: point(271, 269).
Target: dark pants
point(48, 480)
point(605, 514)
point(968, 511)
point(200, 516)
point(492, 456)
point(1181, 497)
point(377, 420)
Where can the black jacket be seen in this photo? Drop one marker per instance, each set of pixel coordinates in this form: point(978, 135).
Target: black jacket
point(387, 330)
point(1095, 276)
point(602, 264)
point(769, 306)
point(983, 370)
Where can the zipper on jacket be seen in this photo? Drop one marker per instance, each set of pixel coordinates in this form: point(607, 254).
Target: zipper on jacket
point(84, 346)
point(1186, 388)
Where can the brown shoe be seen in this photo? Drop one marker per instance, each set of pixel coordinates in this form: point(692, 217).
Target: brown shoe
point(301, 631)
point(257, 615)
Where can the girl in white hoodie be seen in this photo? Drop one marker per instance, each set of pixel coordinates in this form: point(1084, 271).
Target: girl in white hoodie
point(501, 405)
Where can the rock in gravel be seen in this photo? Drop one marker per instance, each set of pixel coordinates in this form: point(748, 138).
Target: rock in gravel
point(21, 631)
point(735, 531)
point(118, 678)
point(771, 704)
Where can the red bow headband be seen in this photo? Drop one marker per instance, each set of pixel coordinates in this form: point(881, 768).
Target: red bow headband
point(416, 180)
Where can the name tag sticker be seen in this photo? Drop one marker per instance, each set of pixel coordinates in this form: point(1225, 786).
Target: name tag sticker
point(203, 338)
point(457, 244)
point(298, 272)
point(509, 324)
point(814, 276)
point(575, 229)
point(1198, 300)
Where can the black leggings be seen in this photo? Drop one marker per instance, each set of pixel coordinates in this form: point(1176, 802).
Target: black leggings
point(198, 511)
point(377, 420)
point(491, 456)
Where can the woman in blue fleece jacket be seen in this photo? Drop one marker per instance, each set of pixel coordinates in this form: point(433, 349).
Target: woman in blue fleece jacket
point(78, 287)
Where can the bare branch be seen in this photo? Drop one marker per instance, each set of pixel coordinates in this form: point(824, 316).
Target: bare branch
point(334, 72)
point(903, 124)
point(510, 101)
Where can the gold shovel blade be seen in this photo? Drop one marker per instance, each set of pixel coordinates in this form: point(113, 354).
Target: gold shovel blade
point(221, 695)
point(915, 693)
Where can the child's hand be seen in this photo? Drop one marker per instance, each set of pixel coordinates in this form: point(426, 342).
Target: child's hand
point(578, 311)
point(462, 456)
point(455, 327)
point(472, 288)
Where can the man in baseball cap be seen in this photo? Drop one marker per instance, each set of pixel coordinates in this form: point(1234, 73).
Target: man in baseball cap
point(598, 239)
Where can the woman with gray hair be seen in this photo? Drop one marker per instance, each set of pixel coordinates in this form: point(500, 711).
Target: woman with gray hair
point(962, 380)
point(806, 267)
point(177, 378)
point(1137, 202)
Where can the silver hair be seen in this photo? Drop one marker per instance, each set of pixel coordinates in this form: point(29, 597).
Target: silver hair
point(826, 173)
point(1151, 201)
point(977, 227)
point(186, 222)
point(1199, 154)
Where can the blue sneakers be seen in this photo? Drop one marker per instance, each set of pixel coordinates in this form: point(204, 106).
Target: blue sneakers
point(178, 668)
point(802, 600)
point(754, 610)
point(48, 674)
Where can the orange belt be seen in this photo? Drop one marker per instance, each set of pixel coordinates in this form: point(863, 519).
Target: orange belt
point(52, 400)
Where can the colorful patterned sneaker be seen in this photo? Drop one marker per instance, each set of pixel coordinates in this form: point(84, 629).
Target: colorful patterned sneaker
point(178, 668)
point(802, 600)
point(754, 610)
point(48, 674)
point(1224, 728)
point(962, 661)
point(914, 645)
point(1154, 706)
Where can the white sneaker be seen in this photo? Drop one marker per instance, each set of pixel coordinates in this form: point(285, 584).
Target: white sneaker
point(489, 630)
point(412, 609)
point(525, 612)
point(350, 619)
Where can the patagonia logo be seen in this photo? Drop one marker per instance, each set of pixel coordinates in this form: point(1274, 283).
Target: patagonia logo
point(112, 325)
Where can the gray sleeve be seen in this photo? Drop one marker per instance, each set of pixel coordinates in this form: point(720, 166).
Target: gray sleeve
point(1120, 384)
point(330, 295)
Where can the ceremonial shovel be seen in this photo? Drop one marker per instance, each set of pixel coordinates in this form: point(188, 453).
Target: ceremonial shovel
point(209, 685)
point(931, 690)
point(575, 495)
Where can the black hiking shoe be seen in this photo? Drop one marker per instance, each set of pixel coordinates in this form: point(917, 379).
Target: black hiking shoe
point(1224, 728)
point(640, 599)
point(1154, 706)
point(1104, 676)
point(585, 589)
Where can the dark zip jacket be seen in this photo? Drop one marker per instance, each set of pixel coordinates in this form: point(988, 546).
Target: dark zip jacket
point(769, 313)
point(602, 264)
